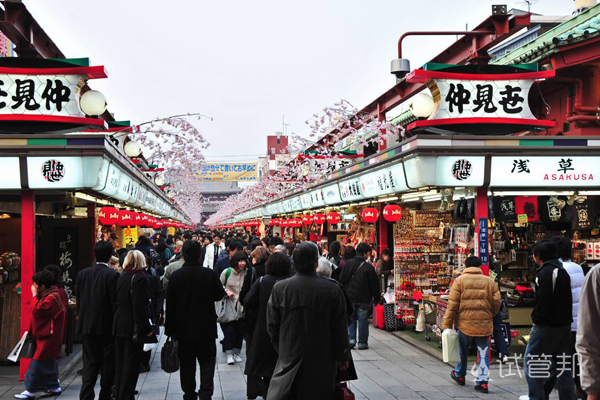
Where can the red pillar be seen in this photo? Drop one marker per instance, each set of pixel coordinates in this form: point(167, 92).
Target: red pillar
point(383, 232)
point(27, 263)
point(482, 217)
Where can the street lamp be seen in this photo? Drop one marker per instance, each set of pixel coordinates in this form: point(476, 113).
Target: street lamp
point(422, 105)
point(93, 103)
point(159, 180)
point(132, 149)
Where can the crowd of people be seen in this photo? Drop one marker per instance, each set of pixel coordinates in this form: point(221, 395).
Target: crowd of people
point(299, 307)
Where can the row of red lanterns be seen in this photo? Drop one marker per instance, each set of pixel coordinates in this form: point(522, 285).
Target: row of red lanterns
point(247, 223)
point(112, 215)
point(391, 213)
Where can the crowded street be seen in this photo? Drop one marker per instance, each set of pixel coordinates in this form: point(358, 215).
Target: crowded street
point(300, 200)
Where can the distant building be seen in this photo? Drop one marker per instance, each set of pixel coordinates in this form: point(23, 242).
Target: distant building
point(277, 155)
point(215, 193)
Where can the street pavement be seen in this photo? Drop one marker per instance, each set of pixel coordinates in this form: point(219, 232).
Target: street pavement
point(390, 369)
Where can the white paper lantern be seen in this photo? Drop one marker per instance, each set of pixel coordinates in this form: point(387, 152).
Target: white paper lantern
point(422, 105)
point(93, 102)
point(159, 180)
point(132, 149)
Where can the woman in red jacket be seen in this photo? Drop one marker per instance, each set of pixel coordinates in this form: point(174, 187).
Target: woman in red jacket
point(47, 323)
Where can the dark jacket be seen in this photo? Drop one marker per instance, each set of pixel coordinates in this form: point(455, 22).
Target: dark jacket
point(191, 298)
point(156, 295)
point(222, 264)
point(132, 309)
point(307, 322)
point(250, 278)
point(96, 294)
point(360, 281)
point(553, 306)
point(262, 356)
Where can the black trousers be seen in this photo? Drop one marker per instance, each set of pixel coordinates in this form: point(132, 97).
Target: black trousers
point(234, 336)
point(98, 355)
point(551, 383)
point(206, 354)
point(128, 357)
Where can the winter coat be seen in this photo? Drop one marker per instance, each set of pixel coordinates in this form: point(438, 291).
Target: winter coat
point(132, 309)
point(253, 274)
point(307, 323)
point(360, 281)
point(383, 268)
point(262, 356)
point(209, 256)
point(234, 284)
point(156, 295)
point(47, 324)
point(191, 298)
point(474, 300)
point(553, 299)
point(172, 267)
point(576, 274)
point(588, 332)
point(96, 290)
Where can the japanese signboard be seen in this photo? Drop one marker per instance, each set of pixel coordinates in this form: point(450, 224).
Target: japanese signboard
point(350, 190)
point(483, 241)
point(555, 171)
point(63, 172)
point(66, 256)
point(227, 172)
point(130, 236)
point(450, 171)
point(331, 194)
point(378, 183)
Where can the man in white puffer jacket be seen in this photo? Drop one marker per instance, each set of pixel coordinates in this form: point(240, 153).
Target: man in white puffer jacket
point(563, 247)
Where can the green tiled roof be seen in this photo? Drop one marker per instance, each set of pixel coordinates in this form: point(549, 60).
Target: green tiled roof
point(581, 27)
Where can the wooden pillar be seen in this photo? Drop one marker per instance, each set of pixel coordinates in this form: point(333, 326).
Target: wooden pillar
point(27, 264)
point(482, 218)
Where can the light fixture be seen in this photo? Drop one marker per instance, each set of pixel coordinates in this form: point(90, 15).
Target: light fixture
point(435, 197)
point(159, 180)
point(4, 216)
point(132, 149)
point(421, 105)
point(170, 195)
point(93, 103)
point(363, 203)
point(443, 205)
point(387, 199)
point(531, 193)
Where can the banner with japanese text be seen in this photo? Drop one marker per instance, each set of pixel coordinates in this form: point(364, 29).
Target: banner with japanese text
point(228, 172)
point(130, 236)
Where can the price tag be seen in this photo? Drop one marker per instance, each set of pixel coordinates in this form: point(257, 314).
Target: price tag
point(522, 218)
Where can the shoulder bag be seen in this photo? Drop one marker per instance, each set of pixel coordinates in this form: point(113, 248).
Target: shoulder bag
point(169, 356)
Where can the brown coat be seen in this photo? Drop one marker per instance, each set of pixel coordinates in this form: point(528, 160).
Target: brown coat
point(474, 299)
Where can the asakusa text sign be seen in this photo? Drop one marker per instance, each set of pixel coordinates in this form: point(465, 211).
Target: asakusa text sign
point(555, 171)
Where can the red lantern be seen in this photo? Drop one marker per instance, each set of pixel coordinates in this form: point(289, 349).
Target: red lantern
point(297, 222)
point(370, 215)
point(392, 213)
point(307, 219)
point(319, 218)
point(284, 223)
point(333, 217)
point(137, 218)
point(274, 222)
point(126, 218)
point(143, 219)
point(159, 224)
point(108, 216)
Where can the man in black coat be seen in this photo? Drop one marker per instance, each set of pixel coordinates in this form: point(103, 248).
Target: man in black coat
point(308, 325)
point(191, 320)
point(360, 281)
point(96, 293)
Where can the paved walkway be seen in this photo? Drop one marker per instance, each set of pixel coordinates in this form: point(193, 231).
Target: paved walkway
point(389, 369)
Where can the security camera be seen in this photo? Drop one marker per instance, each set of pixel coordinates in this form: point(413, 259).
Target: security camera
point(400, 67)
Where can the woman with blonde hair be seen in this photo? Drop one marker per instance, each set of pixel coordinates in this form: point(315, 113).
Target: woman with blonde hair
point(131, 316)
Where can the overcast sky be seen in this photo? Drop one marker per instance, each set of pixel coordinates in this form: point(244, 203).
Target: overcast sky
point(248, 63)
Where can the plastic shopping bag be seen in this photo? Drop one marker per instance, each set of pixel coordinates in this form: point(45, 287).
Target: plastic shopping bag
point(450, 346)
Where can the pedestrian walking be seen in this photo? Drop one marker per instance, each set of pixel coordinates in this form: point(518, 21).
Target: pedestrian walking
point(96, 295)
point(170, 269)
point(359, 280)
point(255, 271)
point(588, 334)
point(64, 297)
point(324, 267)
point(212, 252)
point(385, 267)
point(262, 356)
point(564, 246)
point(552, 317)
point(233, 279)
point(191, 320)
point(307, 323)
point(233, 247)
point(47, 323)
point(132, 313)
point(474, 300)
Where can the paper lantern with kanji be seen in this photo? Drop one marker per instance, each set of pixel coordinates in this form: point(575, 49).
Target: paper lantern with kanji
point(136, 217)
point(297, 222)
point(126, 218)
point(392, 213)
point(370, 215)
point(284, 223)
point(108, 216)
point(159, 224)
point(307, 219)
point(274, 222)
point(319, 218)
point(333, 217)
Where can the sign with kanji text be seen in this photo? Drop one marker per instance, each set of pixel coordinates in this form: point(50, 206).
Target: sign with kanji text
point(228, 172)
point(130, 236)
point(551, 171)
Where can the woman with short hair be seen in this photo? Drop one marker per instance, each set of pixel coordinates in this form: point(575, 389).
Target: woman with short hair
point(132, 311)
point(232, 279)
point(262, 356)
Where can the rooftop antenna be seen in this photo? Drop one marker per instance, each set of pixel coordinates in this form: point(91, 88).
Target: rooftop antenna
point(529, 4)
point(284, 125)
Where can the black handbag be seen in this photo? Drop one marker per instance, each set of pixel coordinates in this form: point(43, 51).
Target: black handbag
point(169, 356)
point(29, 346)
point(138, 335)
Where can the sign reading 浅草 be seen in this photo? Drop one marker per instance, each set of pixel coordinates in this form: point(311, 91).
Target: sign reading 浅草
point(554, 171)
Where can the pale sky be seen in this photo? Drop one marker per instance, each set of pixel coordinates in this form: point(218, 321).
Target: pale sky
point(248, 63)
